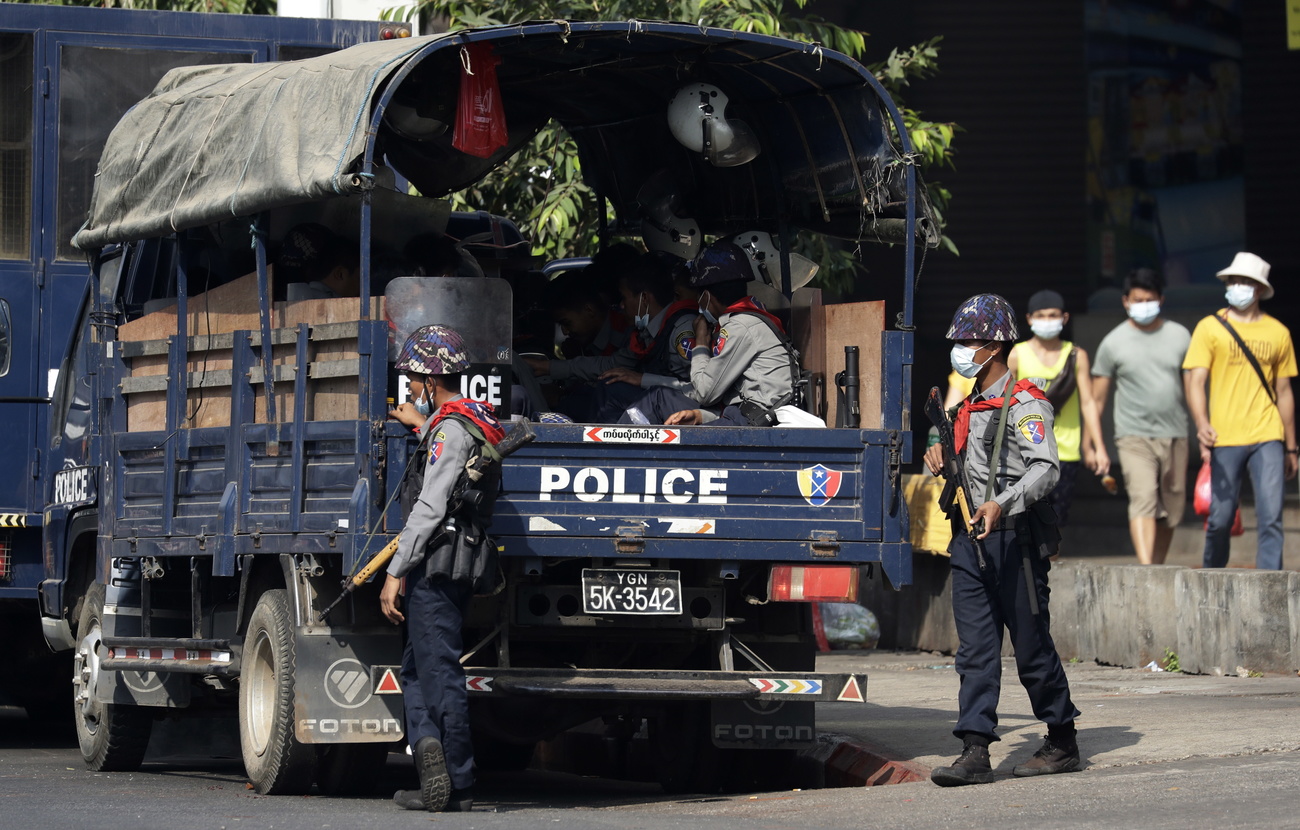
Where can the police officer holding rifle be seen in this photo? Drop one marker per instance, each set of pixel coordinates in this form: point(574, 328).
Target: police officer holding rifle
point(1000, 556)
point(444, 556)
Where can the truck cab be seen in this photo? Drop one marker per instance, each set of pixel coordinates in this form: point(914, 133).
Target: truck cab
point(68, 75)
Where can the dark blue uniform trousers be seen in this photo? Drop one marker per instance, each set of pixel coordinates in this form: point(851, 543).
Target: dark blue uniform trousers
point(433, 681)
point(983, 603)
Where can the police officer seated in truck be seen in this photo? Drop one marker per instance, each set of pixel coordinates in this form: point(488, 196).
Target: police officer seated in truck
point(441, 568)
point(584, 304)
point(658, 353)
point(743, 368)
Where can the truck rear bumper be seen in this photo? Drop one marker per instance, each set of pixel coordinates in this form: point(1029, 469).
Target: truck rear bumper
point(597, 684)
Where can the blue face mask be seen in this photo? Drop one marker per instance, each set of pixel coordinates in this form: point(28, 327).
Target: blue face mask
point(1240, 296)
point(708, 315)
point(423, 406)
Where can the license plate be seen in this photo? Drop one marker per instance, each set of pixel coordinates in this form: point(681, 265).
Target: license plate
point(631, 591)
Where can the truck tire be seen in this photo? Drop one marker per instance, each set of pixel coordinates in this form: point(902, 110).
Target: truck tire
point(275, 761)
point(113, 736)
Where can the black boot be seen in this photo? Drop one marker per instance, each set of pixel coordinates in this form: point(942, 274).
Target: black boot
point(971, 767)
point(409, 799)
point(460, 801)
point(1057, 754)
point(435, 783)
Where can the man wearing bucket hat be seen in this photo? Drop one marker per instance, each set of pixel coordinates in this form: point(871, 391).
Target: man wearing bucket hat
point(1249, 423)
point(437, 591)
point(999, 564)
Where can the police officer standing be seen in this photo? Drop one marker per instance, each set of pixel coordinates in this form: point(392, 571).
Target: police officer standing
point(999, 572)
point(437, 592)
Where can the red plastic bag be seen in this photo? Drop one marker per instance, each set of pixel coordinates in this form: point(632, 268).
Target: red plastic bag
point(480, 118)
point(1201, 495)
point(1201, 500)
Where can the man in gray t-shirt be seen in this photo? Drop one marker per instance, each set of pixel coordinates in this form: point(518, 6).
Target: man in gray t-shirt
point(1144, 357)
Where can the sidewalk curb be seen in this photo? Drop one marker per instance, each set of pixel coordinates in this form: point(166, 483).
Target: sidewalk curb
point(850, 762)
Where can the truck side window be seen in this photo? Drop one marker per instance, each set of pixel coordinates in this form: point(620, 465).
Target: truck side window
point(6, 326)
point(89, 108)
point(15, 147)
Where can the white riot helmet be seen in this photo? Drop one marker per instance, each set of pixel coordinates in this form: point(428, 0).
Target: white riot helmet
point(662, 226)
point(766, 259)
point(697, 118)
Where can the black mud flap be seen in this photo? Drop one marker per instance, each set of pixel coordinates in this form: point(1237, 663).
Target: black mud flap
point(762, 724)
point(346, 688)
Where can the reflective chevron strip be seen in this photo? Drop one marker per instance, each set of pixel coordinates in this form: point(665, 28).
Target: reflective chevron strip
point(478, 683)
point(13, 520)
point(169, 654)
point(787, 687)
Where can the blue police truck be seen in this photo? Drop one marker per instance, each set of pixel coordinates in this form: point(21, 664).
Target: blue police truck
point(66, 76)
point(220, 457)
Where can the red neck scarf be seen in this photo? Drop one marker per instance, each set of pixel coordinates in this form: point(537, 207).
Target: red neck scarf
point(477, 411)
point(961, 426)
point(640, 347)
point(748, 304)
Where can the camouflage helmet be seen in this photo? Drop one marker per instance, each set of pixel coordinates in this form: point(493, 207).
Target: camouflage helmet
point(433, 350)
point(722, 261)
point(984, 317)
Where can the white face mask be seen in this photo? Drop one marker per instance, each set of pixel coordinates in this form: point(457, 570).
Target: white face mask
point(963, 361)
point(1144, 312)
point(1240, 296)
point(1047, 329)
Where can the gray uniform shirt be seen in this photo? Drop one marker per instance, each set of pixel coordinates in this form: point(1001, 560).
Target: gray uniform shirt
point(1029, 468)
point(747, 362)
point(449, 449)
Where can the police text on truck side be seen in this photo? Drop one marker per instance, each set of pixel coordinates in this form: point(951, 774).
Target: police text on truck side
point(623, 485)
point(74, 485)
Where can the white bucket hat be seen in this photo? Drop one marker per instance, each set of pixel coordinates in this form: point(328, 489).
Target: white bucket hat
point(1252, 267)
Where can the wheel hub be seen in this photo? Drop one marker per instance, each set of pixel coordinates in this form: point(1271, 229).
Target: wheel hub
point(85, 676)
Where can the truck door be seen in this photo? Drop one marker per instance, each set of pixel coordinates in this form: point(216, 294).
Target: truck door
point(19, 387)
point(86, 83)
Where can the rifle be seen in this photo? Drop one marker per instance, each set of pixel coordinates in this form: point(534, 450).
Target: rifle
point(956, 488)
point(490, 454)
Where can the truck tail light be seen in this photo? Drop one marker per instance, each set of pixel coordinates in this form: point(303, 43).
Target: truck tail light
point(6, 565)
point(813, 583)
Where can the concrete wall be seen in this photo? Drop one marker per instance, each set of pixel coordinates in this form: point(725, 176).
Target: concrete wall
point(1125, 615)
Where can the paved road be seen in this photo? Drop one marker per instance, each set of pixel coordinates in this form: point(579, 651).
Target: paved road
point(1164, 751)
point(45, 787)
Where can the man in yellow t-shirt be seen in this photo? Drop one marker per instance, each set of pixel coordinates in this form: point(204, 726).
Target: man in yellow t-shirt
point(1250, 421)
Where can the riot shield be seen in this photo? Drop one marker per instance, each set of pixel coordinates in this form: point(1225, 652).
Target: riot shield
point(479, 308)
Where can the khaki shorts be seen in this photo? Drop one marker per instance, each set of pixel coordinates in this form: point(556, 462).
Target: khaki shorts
point(1155, 476)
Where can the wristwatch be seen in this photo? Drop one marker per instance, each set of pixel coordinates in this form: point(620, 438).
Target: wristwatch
point(1294, 450)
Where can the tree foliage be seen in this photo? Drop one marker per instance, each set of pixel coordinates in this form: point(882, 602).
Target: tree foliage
point(545, 178)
